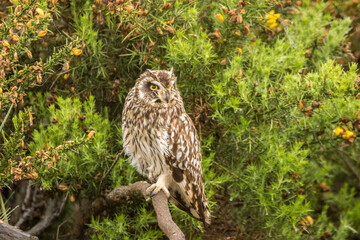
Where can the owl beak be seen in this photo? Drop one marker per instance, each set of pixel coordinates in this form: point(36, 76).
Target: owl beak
point(167, 97)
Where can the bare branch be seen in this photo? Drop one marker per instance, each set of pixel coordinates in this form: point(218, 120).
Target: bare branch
point(109, 170)
point(20, 190)
point(52, 211)
point(8, 232)
point(27, 207)
point(122, 194)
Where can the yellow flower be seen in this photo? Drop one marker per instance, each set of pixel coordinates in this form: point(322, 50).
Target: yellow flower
point(237, 32)
point(220, 17)
point(272, 26)
point(272, 18)
point(1, 91)
point(309, 220)
point(77, 51)
point(239, 50)
point(348, 134)
point(6, 43)
point(40, 11)
point(72, 197)
point(271, 21)
point(338, 130)
point(42, 33)
point(90, 134)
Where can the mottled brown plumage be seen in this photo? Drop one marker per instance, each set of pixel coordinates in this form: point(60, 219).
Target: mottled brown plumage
point(162, 142)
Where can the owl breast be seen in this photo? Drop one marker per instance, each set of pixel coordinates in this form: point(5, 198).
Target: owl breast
point(145, 138)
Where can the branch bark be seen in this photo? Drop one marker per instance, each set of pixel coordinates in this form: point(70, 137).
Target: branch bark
point(8, 232)
point(122, 194)
point(52, 211)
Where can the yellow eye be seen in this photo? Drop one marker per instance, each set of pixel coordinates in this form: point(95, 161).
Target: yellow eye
point(153, 87)
point(173, 87)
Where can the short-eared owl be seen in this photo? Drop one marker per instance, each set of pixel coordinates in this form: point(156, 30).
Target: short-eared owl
point(162, 142)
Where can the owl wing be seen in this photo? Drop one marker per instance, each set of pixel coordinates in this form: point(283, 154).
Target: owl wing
point(186, 188)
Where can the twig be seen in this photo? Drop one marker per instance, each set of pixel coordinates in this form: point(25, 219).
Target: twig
point(160, 203)
point(58, 229)
point(109, 170)
point(349, 165)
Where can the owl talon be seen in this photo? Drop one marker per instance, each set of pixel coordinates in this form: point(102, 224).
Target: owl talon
point(155, 189)
point(152, 194)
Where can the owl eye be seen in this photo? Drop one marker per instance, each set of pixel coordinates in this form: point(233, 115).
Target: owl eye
point(172, 88)
point(153, 87)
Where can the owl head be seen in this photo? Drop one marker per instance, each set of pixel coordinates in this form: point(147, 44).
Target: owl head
point(158, 88)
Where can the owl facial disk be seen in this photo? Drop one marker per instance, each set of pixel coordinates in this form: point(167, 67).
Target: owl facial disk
point(161, 95)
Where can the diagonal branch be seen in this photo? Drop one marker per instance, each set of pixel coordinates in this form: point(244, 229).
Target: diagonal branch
point(349, 165)
point(122, 194)
point(109, 170)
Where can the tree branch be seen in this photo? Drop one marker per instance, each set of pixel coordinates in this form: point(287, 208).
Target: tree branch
point(52, 211)
point(27, 207)
point(8, 232)
point(122, 194)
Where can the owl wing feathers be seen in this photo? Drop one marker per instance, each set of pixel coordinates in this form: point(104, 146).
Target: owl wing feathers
point(187, 188)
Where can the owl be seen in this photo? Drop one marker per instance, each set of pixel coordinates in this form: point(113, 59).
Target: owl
point(162, 143)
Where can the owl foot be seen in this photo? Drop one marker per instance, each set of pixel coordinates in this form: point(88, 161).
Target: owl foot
point(161, 184)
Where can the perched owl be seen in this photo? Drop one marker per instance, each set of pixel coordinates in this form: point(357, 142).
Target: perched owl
point(162, 142)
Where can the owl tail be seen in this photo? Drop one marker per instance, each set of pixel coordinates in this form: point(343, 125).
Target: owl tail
point(191, 199)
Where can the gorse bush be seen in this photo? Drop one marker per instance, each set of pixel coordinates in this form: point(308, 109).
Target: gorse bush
point(73, 146)
point(271, 87)
point(27, 24)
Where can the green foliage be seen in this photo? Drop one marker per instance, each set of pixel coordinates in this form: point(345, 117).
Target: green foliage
point(22, 68)
point(138, 226)
point(66, 151)
point(13, 149)
point(85, 29)
point(261, 115)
